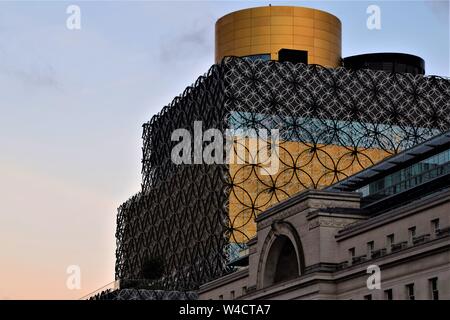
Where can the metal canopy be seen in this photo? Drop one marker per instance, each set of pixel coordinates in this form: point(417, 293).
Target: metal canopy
point(350, 183)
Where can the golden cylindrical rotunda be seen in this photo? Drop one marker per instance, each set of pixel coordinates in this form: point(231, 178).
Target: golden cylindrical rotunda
point(266, 30)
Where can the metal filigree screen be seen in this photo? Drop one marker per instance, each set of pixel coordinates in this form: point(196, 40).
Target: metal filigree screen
point(332, 123)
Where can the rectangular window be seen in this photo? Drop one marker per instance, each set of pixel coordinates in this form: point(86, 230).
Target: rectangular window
point(293, 56)
point(364, 190)
point(434, 292)
point(255, 57)
point(411, 234)
point(232, 295)
point(368, 297)
point(370, 247)
point(389, 242)
point(244, 290)
point(434, 227)
point(351, 254)
point(410, 291)
point(221, 297)
point(388, 294)
point(410, 176)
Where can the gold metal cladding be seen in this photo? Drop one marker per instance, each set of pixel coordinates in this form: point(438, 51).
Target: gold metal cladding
point(266, 30)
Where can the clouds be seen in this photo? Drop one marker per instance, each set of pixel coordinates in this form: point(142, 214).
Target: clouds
point(194, 41)
point(20, 61)
point(440, 9)
point(35, 74)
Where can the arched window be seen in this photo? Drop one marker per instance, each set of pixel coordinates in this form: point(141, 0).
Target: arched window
point(282, 262)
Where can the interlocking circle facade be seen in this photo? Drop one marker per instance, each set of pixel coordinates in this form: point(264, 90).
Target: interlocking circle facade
point(332, 124)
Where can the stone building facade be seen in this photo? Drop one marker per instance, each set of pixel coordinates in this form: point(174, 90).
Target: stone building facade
point(327, 244)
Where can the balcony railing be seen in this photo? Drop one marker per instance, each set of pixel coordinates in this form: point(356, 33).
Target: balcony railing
point(359, 259)
point(342, 265)
point(399, 246)
point(378, 253)
point(421, 239)
point(105, 289)
point(443, 232)
point(394, 248)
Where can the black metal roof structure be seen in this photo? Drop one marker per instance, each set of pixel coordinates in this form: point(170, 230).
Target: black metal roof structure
point(393, 163)
point(386, 61)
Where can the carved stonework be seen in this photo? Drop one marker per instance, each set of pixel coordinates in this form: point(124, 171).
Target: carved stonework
point(333, 222)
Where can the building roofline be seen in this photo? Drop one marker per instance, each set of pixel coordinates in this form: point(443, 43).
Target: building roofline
point(377, 170)
point(308, 194)
point(409, 209)
point(224, 280)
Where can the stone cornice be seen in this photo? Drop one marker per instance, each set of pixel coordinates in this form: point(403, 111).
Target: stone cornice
point(395, 214)
point(287, 205)
point(224, 280)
